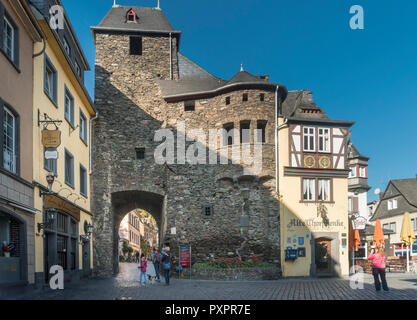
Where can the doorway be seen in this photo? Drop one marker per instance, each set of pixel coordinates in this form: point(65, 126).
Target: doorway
point(323, 256)
point(86, 259)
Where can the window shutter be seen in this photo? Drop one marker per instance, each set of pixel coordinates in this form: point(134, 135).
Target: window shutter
point(355, 204)
point(16, 47)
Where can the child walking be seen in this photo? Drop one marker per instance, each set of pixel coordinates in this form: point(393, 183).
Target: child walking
point(142, 267)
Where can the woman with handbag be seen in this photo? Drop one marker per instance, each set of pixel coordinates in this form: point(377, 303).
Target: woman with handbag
point(166, 262)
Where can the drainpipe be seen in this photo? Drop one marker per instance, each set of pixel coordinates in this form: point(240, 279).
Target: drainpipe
point(170, 55)
point(277, 128)
point(91, 141)
point(276, 141)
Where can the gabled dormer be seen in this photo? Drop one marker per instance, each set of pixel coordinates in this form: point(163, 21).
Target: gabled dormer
point(131, 16)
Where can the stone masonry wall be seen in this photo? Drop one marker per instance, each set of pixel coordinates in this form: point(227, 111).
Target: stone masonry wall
point(131, 109)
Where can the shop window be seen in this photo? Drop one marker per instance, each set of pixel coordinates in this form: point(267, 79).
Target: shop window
point(10, 235)
point(73, 254)
point(61, 223)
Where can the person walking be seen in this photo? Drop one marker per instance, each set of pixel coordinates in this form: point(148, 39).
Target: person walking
point(378, 268)
point(137, 257)
point(166, 262)
point(156, 260)
point(142, 267)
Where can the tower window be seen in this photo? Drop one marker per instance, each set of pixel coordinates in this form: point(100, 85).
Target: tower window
point(262, 97)
point(136, 46)
point(227, 101)
point(140, 153)
point(228, 137)
point(245, 97)
point(245, 132)
point(189, 105)
point(261, 127)
point(207, 211)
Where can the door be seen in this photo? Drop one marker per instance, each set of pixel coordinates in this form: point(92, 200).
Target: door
point(323, 256)
point(86, 259)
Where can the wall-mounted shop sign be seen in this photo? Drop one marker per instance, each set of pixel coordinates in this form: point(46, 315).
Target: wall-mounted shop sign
point(51, 154)
point(51, 138)
point(314, 223)
point(359, 223)
point(52, 201)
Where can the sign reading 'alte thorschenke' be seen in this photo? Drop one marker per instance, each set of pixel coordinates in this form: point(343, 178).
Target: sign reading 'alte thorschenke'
point(51, 138)
point(313, 223)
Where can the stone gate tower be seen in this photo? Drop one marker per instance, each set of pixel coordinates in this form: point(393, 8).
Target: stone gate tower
point(143, 84)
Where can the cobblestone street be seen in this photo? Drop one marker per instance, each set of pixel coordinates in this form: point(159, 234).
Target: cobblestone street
point(126, 287)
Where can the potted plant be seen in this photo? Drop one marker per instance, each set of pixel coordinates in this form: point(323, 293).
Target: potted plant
point(6, 249)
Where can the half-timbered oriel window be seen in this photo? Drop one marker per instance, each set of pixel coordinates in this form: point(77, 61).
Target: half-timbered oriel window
point(324, 140)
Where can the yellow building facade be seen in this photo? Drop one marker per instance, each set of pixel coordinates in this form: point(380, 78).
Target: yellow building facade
point(61, 103)
point(313, 189)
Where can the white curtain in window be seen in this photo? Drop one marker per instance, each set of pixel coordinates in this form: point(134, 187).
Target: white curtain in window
point(312, 189)
point(324, 189)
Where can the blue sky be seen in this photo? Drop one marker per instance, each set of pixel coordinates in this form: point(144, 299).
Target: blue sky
point(368, 76)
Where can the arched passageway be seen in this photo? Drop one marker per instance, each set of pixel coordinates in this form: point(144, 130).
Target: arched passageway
point(106, 225)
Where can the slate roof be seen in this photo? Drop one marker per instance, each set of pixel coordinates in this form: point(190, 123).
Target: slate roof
point(407, 188)
point(190, 70)
point(299, 107)
point(148, 20)
point(194, 80)
point(354, 153)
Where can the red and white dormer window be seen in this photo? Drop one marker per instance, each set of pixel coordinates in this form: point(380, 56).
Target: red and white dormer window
point(131, 16)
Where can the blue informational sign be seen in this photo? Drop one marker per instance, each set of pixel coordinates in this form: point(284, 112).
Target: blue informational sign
point(307, 236)
point(301, 241)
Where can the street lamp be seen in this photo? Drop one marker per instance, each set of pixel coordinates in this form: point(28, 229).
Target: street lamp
point(88, 230)
point(50, 216)
point(49, 213)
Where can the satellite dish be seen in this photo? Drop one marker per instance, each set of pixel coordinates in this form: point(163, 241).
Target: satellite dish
point(377, 191)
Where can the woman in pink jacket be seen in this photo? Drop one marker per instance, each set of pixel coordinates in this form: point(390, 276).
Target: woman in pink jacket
point(378, 268)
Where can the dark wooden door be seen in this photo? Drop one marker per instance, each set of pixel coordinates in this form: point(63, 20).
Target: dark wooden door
point(323, 256)
point(86, 259)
